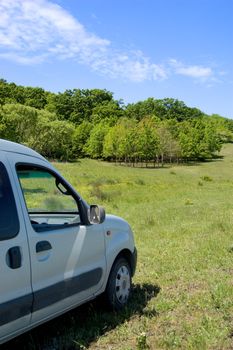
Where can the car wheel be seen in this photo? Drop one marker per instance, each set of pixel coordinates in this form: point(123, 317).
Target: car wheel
point(119, 284)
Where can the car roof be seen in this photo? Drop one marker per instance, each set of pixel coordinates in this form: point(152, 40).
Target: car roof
point(14, 147)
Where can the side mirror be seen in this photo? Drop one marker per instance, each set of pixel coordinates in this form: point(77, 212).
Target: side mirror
point(96, 214)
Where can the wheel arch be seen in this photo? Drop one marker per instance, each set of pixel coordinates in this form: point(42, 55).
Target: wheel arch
point(130, 257)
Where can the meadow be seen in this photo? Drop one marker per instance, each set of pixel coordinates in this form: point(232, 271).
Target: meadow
point(182, 217)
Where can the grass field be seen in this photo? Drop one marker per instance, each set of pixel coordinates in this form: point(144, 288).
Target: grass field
point(182, 217)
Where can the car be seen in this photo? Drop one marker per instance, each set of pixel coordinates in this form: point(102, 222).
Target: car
point(56, 251)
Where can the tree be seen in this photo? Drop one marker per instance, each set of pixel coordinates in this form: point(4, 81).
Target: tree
point(4, 91)
point(211, 140)
point(29, 96)
point(223, 127)
point(128, 148)
point(148, 140)
point(120, 142)
point(140, 109)
point(84, 101)
point(80, 138)
point(111, 143)
point(90, 122)
point(94, 146)
point(61, 104)
point(109, 110)
point(54, 139)
point(167, 146)
point(19, 122)
point(198, 140)
point(35, 97)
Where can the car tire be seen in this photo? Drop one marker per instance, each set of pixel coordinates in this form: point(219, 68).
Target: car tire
point(119, 284)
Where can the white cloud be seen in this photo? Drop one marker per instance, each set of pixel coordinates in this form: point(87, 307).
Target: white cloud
point(25, 60)
point(195, 71)
point(191, 71)
point(32, 32)
point(133, 66)
point(43, 27)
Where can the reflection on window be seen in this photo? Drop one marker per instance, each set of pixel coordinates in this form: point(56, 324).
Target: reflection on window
point(50, 203)
point(9, 223)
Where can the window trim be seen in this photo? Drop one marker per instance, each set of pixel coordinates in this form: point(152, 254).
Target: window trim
point(76, 197)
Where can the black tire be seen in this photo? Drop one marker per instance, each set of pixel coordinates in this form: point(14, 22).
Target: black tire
point(119, 285)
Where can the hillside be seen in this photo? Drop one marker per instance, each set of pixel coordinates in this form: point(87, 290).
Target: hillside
point(182, 217)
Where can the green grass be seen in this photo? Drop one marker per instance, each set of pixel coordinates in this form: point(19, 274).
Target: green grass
point(182, 217)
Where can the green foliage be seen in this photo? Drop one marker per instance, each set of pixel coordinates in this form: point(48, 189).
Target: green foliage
point(84, 102)
point(29, 96)
point(61, 104)
point(38, 129)
point(53, 139)
point(111, 143)
point(80, 138)
point(108, 110)
point(35, 97)
point(18, 122)
point(167, 108)
point(128, 140)
point(198, 139)
point(94, 146)
point(120, 141)
point(83, 122)
point(147, 139)
point(168, 146)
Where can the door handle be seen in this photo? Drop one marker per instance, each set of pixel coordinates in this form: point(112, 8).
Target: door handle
point(14, 258)
point(43, 246)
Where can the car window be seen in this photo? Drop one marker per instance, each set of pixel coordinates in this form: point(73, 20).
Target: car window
point(49, 201)
point(9, 223)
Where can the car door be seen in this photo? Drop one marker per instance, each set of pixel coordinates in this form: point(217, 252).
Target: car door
point(67, 257)
point(15, 285)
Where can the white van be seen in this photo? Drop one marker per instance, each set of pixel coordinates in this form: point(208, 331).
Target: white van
point(56, 251)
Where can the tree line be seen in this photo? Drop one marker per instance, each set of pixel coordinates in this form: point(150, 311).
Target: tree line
point(91, 123)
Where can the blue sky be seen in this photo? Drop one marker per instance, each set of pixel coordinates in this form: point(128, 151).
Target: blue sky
point(134, 48)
